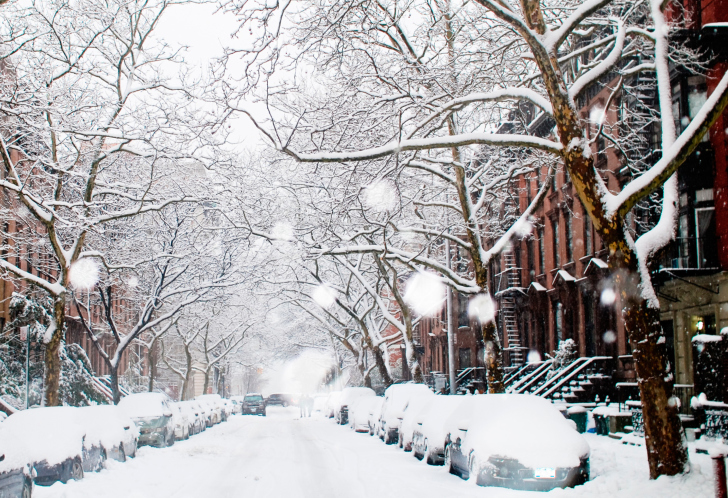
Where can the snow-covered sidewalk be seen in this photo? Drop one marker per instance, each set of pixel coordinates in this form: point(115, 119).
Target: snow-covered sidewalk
point(282, 456)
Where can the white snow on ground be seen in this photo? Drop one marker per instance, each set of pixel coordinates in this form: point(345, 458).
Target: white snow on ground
point(283, 456)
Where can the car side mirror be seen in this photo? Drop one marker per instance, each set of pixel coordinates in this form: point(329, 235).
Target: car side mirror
point(463, 425)
point(127, 427)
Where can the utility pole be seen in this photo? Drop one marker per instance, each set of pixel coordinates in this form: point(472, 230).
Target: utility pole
point(450, 331)
point(27, 367)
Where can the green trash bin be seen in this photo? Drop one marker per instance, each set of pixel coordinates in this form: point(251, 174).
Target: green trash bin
point(579, 416)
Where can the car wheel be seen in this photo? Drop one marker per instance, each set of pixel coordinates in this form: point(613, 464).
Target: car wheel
point(122, 453)
point(473, 471)
point(27, 488)
point(426, 453)
point(448, 460)
point(76, 471)
point(102, 460)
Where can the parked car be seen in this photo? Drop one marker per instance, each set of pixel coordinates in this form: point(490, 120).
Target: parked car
point(16, 474)
point(253, 404)
point(237, 402)
point(429, 435)
point(153, 415)
point(332, 401)
point(375, 413)
point(517, 441)
point(181, 422)
point(416, 403)
point(54, 443)
point(205, 413)
point(348, 395)
point(117, 434)
point(214, 403)
point(396, 398)
point(359, 412)
point(228, 408)
point(195, 418)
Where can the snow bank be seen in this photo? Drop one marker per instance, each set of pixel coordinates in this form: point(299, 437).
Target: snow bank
point(707, 338)
point(522, 427)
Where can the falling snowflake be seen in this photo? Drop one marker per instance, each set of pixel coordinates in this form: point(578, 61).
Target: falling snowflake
point(324, 296)
point(282, 231)
point(380, 196)
point(608, 297)
point(523, 228)
point(482, 308)
point(609, 337)
point(84, 274)
point(133, 281)
point(596, 115)
point(425, 293)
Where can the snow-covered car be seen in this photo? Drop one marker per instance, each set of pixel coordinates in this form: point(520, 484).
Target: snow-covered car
point(375, 413)
point(54, 443)
point(359, 412)
point(396, 398)
point(181, 422)
point(416, 403)
point(204, 413)
point(16, 479)
point(515, 440)
point(214, 403)
point(115, 431)
point(153, 415)
point(280, 399)
point(195, 419)
point(348, 396)
point(319, 404)
point(237, 402)
point(228, 408)
point(253, 404)
point(332, 401)
point(430, 433)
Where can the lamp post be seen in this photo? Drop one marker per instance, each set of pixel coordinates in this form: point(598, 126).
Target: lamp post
point(450, 331)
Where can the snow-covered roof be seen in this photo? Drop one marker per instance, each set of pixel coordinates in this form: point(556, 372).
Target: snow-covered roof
point(595, 264)
point(707, 338)
point(563, 275)
point(537, 287)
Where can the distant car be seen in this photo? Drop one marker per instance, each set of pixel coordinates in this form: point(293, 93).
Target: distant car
point(215, 405)
point(359, 412)
point(113, 429)
point(396, 398)
point(181, 422)
point(348, 395)
point(153, 415)
point(253, 404)
point(237, 402)
point(517, 441)
point(16, 479)
point(279, 399)
point(195, 417)
point(415, 405)
point(204, 412)
point(54, 442)
point(375, 413)
point(430, 433)
point(332, 401)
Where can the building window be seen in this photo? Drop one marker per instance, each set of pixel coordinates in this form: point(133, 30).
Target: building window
point(706, 246)
point(588, 241)
point(464, 357)
point(556, 242)
point(529, 255)
point(559, 323)
point(569, 237)
point(463, 320)
point(541, 257)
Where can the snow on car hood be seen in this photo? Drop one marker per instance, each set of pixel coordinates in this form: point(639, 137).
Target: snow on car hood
point(521, 427)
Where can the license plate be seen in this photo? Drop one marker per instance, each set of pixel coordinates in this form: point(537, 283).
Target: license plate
point(544, 473)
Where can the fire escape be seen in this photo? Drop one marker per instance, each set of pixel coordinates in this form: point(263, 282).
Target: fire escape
point(509, 281)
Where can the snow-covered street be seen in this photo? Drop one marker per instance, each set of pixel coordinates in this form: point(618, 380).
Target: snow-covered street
point(284, 456)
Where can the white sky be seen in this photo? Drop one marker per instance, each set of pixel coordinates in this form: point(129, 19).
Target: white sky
point(205, 32)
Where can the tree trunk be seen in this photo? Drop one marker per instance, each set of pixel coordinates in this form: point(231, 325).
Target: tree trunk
point(52, 379)
point(382, 367)
point(188, 373)
point(207, 381)
point(152, 359)
point(115, 393)
point(493, 358)
point(664, 436)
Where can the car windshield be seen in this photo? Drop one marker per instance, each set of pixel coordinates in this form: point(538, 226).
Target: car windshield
point(256, 397)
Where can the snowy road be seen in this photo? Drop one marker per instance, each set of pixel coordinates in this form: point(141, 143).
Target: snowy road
point(282, 456)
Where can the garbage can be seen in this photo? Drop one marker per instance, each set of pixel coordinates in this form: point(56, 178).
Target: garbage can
point(578, 415)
